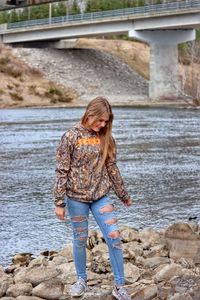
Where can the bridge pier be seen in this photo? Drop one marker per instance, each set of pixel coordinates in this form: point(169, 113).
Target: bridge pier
point(164, 76)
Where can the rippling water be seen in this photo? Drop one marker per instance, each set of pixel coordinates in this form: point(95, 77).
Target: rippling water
point(159, 158)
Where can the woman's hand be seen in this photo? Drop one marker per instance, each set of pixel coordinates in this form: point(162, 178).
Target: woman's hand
point(60, 213)
point(128, 202)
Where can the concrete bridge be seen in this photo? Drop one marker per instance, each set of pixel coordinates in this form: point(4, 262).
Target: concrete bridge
point(162, 26)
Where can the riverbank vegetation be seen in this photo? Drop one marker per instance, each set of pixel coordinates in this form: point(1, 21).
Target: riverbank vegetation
point(22, 86)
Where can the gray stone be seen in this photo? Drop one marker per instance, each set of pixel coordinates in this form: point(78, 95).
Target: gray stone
point(185, 283)
point(178, 296)
point(8, 298)
point(51, 289)
point(38, 261)
point(18, 289)
point(132, 273)
point(149, 237)
point(154, 262)
point(181, 231)
point(133, 246)
point(128, 234)
point(158, 250)
point(29, 298)
point(20, 274)
point(5, 282)
point(167, 272)
point(101, 264)
point(22, 258)
point(39, 274)
point(147, 293)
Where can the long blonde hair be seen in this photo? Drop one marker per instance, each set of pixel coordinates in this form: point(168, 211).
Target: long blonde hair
point(97, 108)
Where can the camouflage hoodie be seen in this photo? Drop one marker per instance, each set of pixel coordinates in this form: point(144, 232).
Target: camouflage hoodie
point(77, 172)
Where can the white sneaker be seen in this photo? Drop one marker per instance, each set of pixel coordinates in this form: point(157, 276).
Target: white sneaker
point(121, 293)
point(78, 288)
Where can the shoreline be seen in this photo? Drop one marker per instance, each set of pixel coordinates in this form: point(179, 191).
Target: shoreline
point(182, 104)
point(163, 264)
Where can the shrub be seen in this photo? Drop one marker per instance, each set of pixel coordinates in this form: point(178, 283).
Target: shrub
point(1, 92)
point(9, 86)
point(4, 60)
point(16, 97)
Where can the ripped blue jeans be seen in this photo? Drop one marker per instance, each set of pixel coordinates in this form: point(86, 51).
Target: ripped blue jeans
point(105, 216)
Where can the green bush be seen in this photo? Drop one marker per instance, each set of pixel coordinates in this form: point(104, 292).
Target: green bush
point(16, 97)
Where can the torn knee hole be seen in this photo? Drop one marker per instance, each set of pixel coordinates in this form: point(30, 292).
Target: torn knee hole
point(112, 221)
point(114, 234)
point(82, 238)
point(81, 229)
point(79, 218)
point(107, 208)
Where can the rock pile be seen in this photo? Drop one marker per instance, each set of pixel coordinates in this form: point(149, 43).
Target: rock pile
point(158, 265)
point(89, 72)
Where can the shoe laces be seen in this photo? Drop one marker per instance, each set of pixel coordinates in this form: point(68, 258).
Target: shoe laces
point(79, 282)
point(124, 292)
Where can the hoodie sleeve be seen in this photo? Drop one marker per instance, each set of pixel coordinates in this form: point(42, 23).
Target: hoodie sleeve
point(116, 178)
point(63, 161)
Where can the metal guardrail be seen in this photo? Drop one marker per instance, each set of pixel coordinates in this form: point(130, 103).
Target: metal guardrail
point(156, 8)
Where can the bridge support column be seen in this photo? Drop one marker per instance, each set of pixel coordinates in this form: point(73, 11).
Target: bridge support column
point(164, 77)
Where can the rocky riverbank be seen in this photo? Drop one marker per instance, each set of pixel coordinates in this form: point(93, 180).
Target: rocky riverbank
point(159, 265)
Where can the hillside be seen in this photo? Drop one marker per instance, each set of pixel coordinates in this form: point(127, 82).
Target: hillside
point(23, 86)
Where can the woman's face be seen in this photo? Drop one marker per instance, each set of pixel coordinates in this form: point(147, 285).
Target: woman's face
point(98, 124)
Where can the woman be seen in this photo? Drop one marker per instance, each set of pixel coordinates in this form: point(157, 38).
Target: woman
point(86, 170)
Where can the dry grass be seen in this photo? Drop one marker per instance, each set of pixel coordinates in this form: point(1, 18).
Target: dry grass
point(134, 54)
point(22, 86)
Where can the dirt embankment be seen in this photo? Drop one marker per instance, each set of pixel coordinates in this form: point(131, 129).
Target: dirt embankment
point(24, 86)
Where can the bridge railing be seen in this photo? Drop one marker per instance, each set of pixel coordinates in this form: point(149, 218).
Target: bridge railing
point(156, 8)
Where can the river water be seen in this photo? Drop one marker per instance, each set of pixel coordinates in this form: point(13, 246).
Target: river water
point(158, 155)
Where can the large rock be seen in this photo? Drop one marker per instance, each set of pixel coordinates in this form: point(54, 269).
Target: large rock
point(5, 282)
point(158, 250)
point(36, 275)
point(50, 289)
point(18, 289)
point(101, 263)
point(8, 298)
point(67, 272)
point(150, 237)
point(154, 262)
point(134, 247)
point(178, 296)
point(185, 284)
point(29, 298)
point(22, 259)
point(39, 261)
point(183, 242)
point(167, 272)
point(181, 231)
point(147, 293)
point(67, 252)
point(132, 273)
point(129, 234)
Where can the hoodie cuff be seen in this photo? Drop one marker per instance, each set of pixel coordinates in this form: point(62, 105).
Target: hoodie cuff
point(59, 203)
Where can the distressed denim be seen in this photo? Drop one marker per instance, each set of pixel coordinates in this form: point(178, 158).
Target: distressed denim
point(107, 221)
